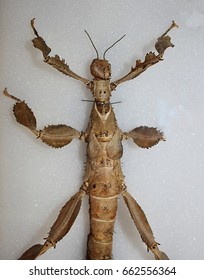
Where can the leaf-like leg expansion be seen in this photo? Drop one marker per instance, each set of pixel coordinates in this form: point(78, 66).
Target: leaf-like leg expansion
point(143, 226)
point(23, 113)
point(161, 45)
point(59, 135)
point(55, 61)
point(60, 228)
point(145, 137)
point(55, 136)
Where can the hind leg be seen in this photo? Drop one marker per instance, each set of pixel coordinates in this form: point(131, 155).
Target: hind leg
point(60, 228)
point(143, 226)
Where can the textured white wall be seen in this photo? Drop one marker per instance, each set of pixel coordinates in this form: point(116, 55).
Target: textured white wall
point(167, 180)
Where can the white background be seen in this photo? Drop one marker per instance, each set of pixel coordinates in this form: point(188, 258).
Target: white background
point(167, 180)
point(123, 269)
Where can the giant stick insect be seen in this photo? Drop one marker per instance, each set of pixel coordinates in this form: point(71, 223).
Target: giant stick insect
point(103, 181)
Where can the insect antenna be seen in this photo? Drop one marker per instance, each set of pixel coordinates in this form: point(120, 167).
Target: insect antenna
point(92, 43)
point(112, 46)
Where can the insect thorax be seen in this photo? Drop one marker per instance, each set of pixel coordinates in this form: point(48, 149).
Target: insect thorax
point(101, 90)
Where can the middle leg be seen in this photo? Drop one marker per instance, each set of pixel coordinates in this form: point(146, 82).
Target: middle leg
point(55, 136)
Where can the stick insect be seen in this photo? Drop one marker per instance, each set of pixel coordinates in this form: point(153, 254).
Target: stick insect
point(103, 180)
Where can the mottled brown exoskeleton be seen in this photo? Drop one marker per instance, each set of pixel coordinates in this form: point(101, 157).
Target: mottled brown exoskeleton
point(103, 181)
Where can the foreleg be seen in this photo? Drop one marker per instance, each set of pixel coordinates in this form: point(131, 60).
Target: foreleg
point(143, 226)
point(55, 61)
point(145, 137)
point(55, 136)
point(59, 229)
point(161, 45)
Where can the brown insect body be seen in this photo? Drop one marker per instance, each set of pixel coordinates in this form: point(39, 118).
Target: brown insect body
point(103, 180)
point(103, 172)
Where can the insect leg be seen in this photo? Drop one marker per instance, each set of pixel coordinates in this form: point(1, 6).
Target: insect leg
point(23, 113)
point(60, 228)
point(143, 226)
point(151, 58)
point(55, 136)
point(145, 137)
point(55, 61)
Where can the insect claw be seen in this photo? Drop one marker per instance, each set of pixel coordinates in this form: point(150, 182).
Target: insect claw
point(52, 243)
point(174, 24)
point(38, 134)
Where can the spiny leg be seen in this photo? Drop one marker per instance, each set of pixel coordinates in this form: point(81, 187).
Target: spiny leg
point(55, 61)
point(23, 113)
point(151, 58)
point(55, 136)
point(144, 136)
point(60, 228)
point(164, 41)
point(143, 226)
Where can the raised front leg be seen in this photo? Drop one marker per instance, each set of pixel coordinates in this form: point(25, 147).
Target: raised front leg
point(161, 45)
point(143, 226)
point(55, 61)
point(55, 136)
point(59, 229)
point(145, 137)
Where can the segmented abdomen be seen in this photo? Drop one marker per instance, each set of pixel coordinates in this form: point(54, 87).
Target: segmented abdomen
point(104, 179)
point(102, 219)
